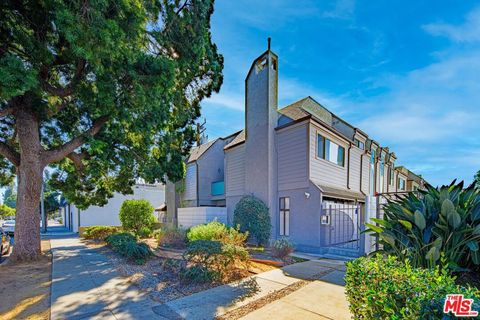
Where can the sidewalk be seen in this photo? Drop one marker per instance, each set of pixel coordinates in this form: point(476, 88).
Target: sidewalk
point(307, 302)
point(85, 285)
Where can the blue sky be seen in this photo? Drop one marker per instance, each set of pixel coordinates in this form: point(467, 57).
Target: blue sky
point(407, 73)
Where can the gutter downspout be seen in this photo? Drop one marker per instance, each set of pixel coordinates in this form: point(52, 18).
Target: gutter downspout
point(361, 171)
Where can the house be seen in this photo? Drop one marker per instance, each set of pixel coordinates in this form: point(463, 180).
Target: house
point(314, 170)
point(107, 215)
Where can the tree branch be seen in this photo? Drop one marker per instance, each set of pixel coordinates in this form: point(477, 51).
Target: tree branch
point(10, 154)
point(67, 90)
point(58, 153)
point(57, 108)
point(77, 159)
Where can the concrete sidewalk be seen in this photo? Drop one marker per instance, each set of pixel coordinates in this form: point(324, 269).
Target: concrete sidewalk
point(220, 300)
point(85, 285)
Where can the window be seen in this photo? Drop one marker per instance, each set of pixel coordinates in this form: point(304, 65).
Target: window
point(330, 151)
point(284, 216)
point(401, 184)
point(382, 171)
point(359, 144)
point(391, 175)
point(372, 172)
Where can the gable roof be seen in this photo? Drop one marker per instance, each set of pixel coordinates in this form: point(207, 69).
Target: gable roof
point(197, 152)
point(239, 138)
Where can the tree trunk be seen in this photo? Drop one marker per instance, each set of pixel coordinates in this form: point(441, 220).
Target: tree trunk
point(29, 178)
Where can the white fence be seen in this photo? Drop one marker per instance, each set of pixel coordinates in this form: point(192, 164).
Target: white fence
point(189, 217)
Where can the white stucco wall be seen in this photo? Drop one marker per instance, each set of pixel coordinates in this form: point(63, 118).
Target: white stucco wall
point(192, 216)
point(108, 214)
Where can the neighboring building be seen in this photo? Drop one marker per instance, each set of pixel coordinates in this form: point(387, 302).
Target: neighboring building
point(312, 169)
point(107, 215)
point(412, 181)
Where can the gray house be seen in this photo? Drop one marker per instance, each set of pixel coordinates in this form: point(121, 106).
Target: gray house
point(313, 170)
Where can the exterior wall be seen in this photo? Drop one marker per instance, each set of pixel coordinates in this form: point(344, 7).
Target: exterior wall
point(355, 156)
point(304, 217)
point(292, 157)
point(211, 169)
point(108, 214)
point(366, 173)
point(235, 171)
point(231, 202)
point(261, 120)
point(189, 217)
point(190, 182)
point(324, 171)
point(401, 175)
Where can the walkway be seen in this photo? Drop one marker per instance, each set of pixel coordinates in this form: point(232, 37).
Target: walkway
point(85, 285)
point(320, 299)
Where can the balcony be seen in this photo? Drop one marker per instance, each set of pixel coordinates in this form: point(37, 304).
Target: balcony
point(218, 188)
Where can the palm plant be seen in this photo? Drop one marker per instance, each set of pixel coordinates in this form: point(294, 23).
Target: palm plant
point(438, 222)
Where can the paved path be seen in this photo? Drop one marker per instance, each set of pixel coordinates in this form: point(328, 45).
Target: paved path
point(85, 285)
point(322, 299)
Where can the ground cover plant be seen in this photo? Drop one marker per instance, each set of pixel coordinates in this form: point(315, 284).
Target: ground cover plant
point(99, 232)
point(126, 244)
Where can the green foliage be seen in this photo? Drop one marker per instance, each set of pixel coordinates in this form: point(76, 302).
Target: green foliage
point(282, 247)
point(6, 211)
point(386, 288)
point(440, 221)
point(137, 215)
point(171, 237)
point(210, 260)
point(476, 180)
point(135, 70)
point(251, 215)
point(99, 232)
point(10, 197)
point(126, 245)
point(145, 232)
point(217, 231)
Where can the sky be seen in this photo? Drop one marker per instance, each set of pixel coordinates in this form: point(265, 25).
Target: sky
point(405, 72)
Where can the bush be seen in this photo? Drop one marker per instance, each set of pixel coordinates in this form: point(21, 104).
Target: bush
point(217, 231)
point(6, 211)
point(126, 244)
point(440, 221)
point(281, 248)
point(210, 260)
point(251, 214)
point(386, 288)
point(171, 237)
point(144, 232)
point(136, 215)
point(99, 232)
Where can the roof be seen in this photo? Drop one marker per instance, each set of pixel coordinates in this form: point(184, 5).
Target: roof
point(162, 207)
point(198, 151)
point(338, 193)
point(239, 138)
point(294, 110)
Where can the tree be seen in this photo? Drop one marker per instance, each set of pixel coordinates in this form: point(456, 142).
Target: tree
point(103, 91)
point(10, 197)
point(476, 180)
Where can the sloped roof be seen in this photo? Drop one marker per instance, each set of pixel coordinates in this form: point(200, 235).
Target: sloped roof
point(239, 138)
point(294, 110)
point(197, 152)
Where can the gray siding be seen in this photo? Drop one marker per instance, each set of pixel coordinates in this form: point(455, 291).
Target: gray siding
point(355, 155)
point(323, 171)
point(293, 157)
point(211, 169)
point(366, 174)
point(235, 171)
point(191, 182)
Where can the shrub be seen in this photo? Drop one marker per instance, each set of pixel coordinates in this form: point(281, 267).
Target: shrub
point(440, 221)
point(251, 214)
point(6, 211)
point(282, 247)
point(136, 214)
point(386, 288)
point(145, 232)
point(210, 260)
point(171, 237)
point(99, 232)
point(126, 244)
point(217, 231)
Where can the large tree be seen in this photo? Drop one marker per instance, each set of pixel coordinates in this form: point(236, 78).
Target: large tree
point(105, 91)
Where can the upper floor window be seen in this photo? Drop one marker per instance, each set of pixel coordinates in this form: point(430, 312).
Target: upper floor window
point(401, 184)
point(359, 144)
point(330, 151)
point(391, 175)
